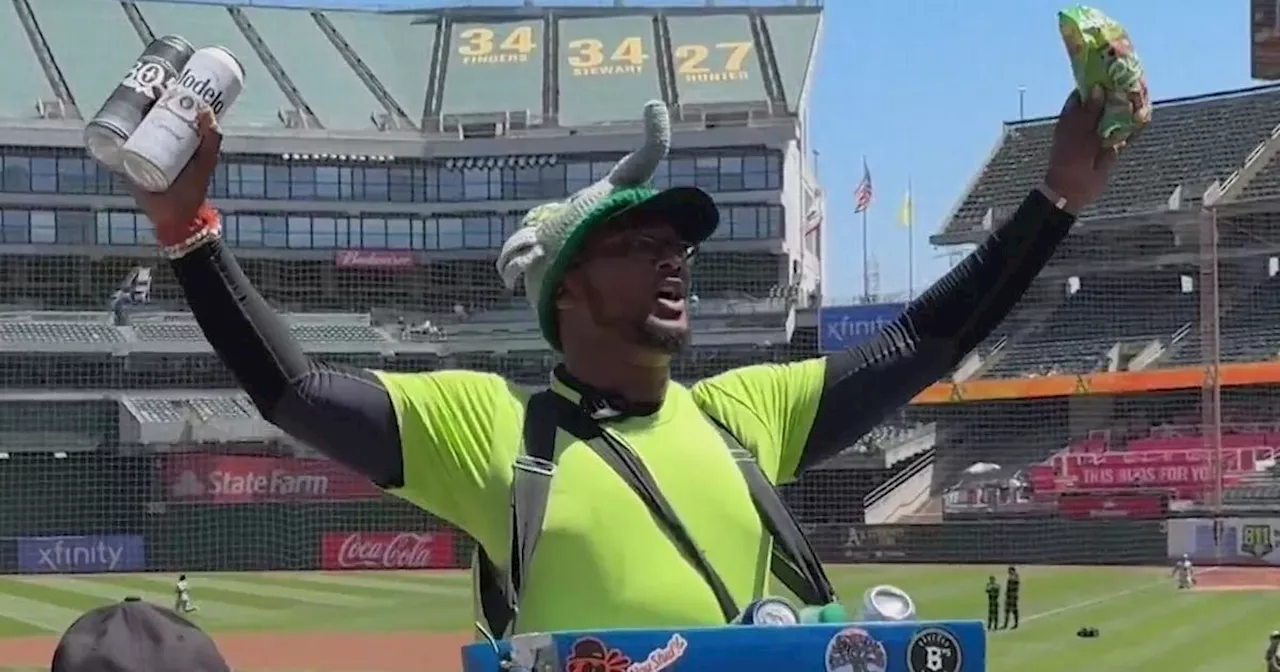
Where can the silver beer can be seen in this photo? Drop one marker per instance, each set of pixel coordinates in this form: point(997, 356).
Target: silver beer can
point(168, 136)
point(119, 116)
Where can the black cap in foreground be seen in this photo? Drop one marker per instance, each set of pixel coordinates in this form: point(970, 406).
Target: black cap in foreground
point(136, 636)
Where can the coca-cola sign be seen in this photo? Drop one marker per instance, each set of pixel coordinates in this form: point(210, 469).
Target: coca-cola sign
point(388, 550)
point(374, 259)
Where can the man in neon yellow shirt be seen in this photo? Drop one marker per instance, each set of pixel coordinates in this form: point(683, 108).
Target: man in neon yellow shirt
point(607, 274)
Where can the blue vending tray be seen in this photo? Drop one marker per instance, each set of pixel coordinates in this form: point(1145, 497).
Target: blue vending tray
point(915, 646)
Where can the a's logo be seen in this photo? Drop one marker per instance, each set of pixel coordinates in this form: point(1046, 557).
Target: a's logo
point(1255, 540)
point(855, 650)
point(934, 650)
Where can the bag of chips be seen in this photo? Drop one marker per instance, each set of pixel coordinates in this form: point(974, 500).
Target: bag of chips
point(1104, 63)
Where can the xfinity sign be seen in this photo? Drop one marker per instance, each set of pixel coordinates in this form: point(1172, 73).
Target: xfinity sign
point(77, 554)
point(843, 327)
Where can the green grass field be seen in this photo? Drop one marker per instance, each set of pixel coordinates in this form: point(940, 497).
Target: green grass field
point(1146, 625)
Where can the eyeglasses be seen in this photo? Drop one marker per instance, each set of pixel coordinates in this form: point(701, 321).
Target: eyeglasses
point(645, 247)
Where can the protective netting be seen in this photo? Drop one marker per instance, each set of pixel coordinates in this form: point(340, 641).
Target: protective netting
point(98, 353)
point(1137, 380)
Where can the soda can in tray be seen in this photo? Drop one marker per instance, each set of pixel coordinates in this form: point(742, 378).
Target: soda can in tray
point(155, 69)
point(168, 136)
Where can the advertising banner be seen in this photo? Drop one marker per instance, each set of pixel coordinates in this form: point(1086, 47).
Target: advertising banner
point(1227, 541)
point(1167, 474)
point(388, 550)
point(72, 554)
point(846, 326)
point(1150, 458)
point(234, 479)
point(1140, 506)
point(374, 259)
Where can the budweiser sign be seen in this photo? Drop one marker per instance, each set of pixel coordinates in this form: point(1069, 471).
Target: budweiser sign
point(375, 259)
point(387, 550)
point(232, 479)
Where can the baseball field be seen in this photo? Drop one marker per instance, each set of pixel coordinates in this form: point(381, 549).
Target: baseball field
point(401, 621)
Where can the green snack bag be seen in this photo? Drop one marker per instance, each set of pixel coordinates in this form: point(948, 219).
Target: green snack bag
point(1104, 63)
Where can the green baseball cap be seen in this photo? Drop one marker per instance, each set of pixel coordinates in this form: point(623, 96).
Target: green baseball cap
point(553, 234)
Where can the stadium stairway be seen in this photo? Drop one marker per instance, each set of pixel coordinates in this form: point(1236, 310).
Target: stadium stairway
point(903, 493)
point(930, 512)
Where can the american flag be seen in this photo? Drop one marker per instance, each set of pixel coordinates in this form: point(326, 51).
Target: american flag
point(862, 195)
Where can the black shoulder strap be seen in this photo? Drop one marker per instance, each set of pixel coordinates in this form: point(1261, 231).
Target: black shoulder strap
point(795, 563)
point(629, 467)
point(498, 591)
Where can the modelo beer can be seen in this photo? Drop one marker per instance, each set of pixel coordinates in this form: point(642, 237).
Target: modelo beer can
point(168, 136)
point(155, 69)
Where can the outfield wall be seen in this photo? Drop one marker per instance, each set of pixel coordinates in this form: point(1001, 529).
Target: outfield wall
point(1048, 541)
point(203, 512)
point(77, 513)
point(1244, 541)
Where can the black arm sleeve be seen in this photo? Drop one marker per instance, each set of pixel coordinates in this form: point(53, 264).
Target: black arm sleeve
point(865, 383)
point(343, 412)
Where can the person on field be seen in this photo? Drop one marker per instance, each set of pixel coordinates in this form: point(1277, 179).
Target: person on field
point(182, 596)
point(1012, 589)
point(1184, 573)
point(607, 273)
point(1272, 656)
point(993, 603)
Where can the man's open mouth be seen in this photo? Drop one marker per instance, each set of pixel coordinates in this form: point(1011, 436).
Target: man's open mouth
point(670, 301)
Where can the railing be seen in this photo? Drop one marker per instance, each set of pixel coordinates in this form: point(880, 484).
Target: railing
point(883, 490)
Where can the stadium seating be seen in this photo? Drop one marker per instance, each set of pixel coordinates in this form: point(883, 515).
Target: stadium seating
point(381, 258)
point(1190, 143)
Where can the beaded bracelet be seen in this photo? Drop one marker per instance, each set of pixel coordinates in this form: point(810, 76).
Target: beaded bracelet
point(204, 228)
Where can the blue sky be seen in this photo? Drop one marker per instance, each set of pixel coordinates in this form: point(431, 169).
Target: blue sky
point(920, 87)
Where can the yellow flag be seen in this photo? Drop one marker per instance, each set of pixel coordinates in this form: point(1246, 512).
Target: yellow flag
point(906, 214)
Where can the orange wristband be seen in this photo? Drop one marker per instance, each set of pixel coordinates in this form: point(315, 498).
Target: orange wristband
point(204, 227)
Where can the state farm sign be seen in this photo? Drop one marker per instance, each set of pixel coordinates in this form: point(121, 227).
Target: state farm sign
point(387, 550)
point(374, 259)
point(232, 479)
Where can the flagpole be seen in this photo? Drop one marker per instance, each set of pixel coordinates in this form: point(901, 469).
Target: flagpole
point(911, 235)
point(866, 266)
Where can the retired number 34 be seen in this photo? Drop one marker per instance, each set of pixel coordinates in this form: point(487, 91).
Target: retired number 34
point(722, 61)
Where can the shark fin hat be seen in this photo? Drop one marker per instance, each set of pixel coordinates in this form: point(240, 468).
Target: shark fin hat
point(552, 234)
